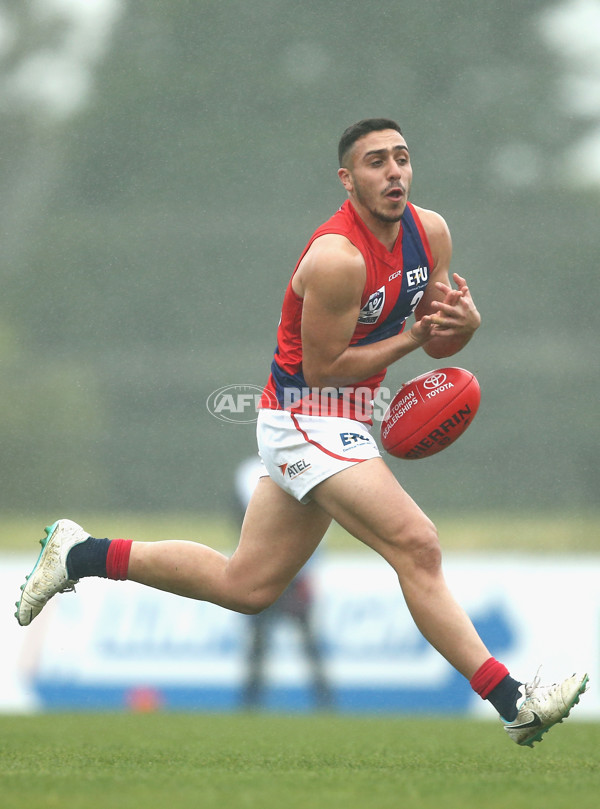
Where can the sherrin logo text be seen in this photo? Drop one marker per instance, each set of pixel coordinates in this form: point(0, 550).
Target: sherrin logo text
point(441, 435)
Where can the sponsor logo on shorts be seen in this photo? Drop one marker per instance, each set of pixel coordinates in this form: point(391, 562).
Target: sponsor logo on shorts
point(353, 440)
point(294, 469)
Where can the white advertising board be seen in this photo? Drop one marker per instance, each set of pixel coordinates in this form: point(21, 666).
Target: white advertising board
point(120, 645)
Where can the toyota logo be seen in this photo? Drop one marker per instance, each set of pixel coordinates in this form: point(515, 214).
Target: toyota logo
point(434, 381)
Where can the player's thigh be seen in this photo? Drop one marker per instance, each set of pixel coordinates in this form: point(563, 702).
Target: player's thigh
point(367, 500)
point(278, 536)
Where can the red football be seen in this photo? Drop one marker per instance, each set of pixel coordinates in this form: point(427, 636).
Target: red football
point(430, 412)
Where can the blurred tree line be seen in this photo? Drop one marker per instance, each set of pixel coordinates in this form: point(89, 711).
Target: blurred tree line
point(163, 166)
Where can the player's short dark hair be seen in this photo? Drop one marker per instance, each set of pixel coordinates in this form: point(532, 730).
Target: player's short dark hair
point(356, 131)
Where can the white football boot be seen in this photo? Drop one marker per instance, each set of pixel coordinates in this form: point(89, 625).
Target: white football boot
point(544, 706)
point(49, 575)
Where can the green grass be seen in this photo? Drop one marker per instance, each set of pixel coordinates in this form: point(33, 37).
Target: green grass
point(171, 761)
point(543, 533)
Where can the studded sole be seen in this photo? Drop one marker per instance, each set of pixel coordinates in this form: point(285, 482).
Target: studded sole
point(575, 701)
point(49, 529)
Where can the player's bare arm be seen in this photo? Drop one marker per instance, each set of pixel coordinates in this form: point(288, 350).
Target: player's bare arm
point(451, 310)
point(331, 280)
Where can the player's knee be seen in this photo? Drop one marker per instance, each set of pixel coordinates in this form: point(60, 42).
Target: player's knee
point(421, 543)
point(256, 602)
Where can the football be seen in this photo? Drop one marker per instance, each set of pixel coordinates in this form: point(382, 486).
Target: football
point(429, 413)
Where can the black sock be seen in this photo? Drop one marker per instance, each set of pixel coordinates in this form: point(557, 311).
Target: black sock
point(504, 698)
point(88, 558)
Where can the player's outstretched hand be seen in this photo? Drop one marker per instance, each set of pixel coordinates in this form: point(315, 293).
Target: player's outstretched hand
point(456, 313)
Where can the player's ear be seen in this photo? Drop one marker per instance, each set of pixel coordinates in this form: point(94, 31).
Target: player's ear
point(345, 178)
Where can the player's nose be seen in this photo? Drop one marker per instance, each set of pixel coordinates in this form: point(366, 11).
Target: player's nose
point(394, 171)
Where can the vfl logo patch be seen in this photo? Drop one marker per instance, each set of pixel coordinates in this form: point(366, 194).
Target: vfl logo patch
point(294, 469)
point(373, 307)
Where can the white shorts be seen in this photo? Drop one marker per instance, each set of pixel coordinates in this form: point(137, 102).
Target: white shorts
point(300, 451)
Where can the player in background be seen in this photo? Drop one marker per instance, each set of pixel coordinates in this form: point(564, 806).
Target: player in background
point(294, 605)
point(378, 260)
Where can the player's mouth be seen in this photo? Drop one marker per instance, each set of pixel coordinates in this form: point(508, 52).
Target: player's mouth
point(396, 194)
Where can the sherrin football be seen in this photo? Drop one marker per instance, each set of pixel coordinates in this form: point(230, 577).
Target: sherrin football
point(430, 412)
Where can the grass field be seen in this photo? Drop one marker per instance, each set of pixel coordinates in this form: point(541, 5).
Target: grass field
point(238, 761)
point(171, 761)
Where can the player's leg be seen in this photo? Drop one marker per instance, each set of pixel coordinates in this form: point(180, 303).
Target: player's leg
point(278, 536)
point(369, 503)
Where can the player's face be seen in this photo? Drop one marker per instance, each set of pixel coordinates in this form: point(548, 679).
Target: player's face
point(379, 175)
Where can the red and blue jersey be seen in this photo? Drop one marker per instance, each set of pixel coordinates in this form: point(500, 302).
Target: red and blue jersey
point(395, 283)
